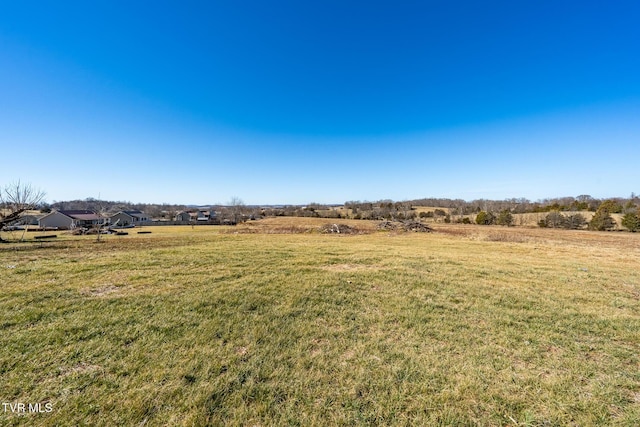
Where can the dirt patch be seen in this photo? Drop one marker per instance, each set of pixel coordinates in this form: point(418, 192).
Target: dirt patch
point(100, 291)
point(505, 237)
point(350, 267)
point(348, 355)
point(81, 368)
point(317, 347)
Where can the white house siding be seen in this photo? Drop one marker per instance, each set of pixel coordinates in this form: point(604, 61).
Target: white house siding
point(125, 219)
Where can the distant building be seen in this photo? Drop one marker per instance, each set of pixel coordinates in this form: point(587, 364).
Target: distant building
point(204, 215)
point(200, 216)
point(124, 218)
point(29, 219)
point(67, 220)
point(183, 216)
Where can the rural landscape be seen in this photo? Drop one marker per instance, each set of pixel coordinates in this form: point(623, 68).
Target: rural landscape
point(320, 213)
point(305, 320)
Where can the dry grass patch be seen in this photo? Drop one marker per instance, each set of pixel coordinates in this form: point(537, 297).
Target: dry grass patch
point(350, 267)
point(100, 291)
point(300, 225)
point(212, 328)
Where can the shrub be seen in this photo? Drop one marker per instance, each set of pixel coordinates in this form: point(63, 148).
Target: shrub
point(329, 214)
point(631, 221)
point(557, 220)
point(485, 218)
point(579, 206)
point(630, 207)
point(575, 222)
point(602, 220)
point(505, 218)
point(610, 206)
point(554, 220)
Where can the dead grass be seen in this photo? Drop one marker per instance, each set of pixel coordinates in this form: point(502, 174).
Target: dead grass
point(100, 291)
point(532, 219)
point(350, 267)
point(468, 325)
point(295, 225)
point(581, 238)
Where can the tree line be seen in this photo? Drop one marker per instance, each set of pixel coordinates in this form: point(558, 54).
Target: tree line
point(563, 212)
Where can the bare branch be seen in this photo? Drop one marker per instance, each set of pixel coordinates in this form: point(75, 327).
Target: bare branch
point(20, 197)
point(16, 198)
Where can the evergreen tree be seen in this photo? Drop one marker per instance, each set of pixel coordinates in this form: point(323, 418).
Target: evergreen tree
point(602, 219)
point(505, 218)
point(555, 220)
point(611, 206)
point(631, 221)
point(485, 218)
point(575, 222)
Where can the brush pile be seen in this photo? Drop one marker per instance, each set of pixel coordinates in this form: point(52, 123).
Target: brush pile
point(338, 229)
point(410, 225)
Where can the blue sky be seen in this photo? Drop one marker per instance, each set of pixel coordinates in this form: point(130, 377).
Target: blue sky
point(327, 101)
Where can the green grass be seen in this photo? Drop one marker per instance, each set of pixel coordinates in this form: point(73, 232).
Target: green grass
point(202, 326)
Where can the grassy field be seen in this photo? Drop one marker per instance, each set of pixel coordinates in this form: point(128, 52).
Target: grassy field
point(272, 323)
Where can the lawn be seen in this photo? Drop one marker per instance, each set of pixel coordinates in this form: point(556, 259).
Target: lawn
point(272, 323)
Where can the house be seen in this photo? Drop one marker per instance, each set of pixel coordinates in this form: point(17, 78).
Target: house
point(206, 215)
point(125, 218)
point(183, 216)
point(70, 219)
point(29, 219)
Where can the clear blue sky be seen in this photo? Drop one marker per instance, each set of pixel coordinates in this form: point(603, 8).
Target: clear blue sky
point(325, 101)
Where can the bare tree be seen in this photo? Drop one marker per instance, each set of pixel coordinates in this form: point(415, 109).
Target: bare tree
point(102, 219)
point(15, 198)
point(237, 206)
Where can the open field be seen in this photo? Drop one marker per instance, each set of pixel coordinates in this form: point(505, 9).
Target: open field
point(272, 323)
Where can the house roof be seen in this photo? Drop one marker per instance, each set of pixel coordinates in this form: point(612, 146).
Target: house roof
point(136, 214)
point(83, 215)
